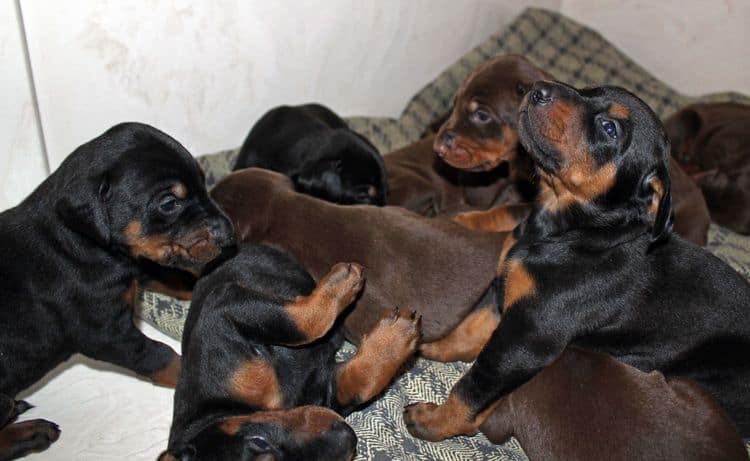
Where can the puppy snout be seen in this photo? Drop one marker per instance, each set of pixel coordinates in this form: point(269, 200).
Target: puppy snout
point(541, 94)
point(222, 231)
point(448, 138)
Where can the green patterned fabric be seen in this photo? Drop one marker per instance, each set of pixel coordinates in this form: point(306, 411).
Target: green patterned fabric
point(573, 54)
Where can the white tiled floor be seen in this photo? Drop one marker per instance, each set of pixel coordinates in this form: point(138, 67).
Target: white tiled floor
point(104, 412)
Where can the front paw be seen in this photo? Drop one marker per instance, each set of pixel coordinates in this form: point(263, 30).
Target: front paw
point(422, 421)
point(21, 439)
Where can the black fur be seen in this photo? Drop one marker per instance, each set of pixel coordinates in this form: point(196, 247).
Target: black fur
point(237, 315)
point(68, 267)
point(607, 275)
point(315, 148)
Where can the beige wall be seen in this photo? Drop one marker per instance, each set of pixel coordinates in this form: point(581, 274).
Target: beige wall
point(205, 71)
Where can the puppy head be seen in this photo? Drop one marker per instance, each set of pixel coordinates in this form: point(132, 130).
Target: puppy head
point(311, 433)
point(598, 146)
point(481, 131)
point(138, 190)
point(346, 169)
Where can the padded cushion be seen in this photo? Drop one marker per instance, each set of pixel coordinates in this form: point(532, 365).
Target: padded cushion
point(573, 54)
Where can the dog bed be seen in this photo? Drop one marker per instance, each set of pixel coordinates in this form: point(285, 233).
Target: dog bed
point(573, 54)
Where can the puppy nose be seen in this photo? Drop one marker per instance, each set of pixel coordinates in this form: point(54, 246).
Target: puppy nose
point(448, 138)
point(541, 94)
point(222, 231)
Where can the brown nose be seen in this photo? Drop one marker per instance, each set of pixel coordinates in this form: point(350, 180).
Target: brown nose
point(541, 94)
point(448, 138)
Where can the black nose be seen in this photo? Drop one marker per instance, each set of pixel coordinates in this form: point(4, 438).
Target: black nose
point(541, 94)
point(448, 138)
point(222, 231)
point(343, 441)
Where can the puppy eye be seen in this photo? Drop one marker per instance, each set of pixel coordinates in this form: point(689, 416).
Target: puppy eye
point(481, 116)
point(259, 444)
point(609, 127)
point(169, 204)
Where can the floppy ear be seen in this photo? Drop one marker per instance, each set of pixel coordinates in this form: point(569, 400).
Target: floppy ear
point(321, 178)
point(657, 186)
point(84, 210)
point(681, 128)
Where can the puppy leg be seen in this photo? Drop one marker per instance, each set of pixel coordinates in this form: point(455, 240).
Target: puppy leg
point(380, 355)
point(123, 344)
point(299, 322)
point(498, 219)
point(466, 341)
point(20, 439)
point(501, 367)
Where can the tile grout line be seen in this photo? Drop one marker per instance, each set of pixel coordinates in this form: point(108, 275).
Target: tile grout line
point(32, 86)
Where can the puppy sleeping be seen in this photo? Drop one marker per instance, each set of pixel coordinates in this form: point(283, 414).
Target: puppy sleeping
point(314, 147)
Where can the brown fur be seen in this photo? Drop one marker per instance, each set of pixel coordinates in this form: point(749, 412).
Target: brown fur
point(518, 284)
point(159, 248)
point(499, 219)
point(378, 358)
point(603, 409)
point(255, 383)
point(169, 375)
point(712, 143)
point(315, 314)
point(304, 422)
point(435, 267)
point(466, 340)
point(427, 185)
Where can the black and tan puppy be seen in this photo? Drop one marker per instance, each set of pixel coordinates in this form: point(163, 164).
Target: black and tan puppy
point(70, 259)
point(315, 148)
point(595, 265)
point(259, 343)
point(480, 136)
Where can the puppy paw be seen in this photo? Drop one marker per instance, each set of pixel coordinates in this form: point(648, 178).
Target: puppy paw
point(343, 283)
point(433, 422)
point(398, 330)
point(21, 439)
point(420, 420)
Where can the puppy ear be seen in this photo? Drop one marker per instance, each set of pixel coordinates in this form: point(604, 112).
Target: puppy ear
point(84, 210)
point(681, 128)
point(657, 187)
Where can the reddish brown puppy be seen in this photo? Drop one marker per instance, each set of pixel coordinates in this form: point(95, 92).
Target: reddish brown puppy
point(433, 266)
point(712, 141)
point(423, 183)
point(587, 406)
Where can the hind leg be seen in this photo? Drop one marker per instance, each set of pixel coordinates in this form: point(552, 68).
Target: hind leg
point(381, 354)
point(20, 439)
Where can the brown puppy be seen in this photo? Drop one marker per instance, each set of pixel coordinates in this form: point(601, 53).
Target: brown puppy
point(481, 133)
point(712, 142)
point(603, 409)
point(432, 266)
point(424, 184)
